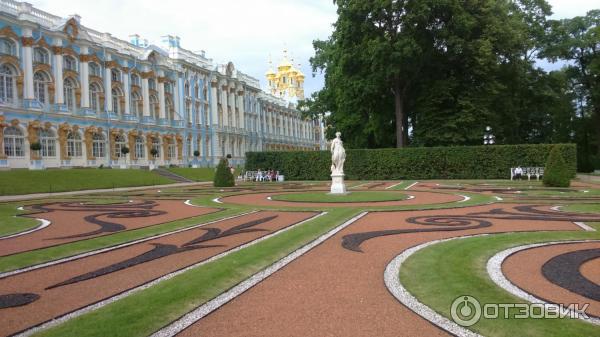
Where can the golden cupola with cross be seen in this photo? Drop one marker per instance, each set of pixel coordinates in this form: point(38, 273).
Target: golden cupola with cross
point(288, 81)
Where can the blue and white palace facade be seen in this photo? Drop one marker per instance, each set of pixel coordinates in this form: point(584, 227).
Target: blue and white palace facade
point(71, 96)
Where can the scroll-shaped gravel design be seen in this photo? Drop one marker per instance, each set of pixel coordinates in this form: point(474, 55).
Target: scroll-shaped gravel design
point(565, 271)
point(17, 300)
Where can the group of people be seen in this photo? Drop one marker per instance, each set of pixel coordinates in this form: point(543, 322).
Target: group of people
point(269, 175)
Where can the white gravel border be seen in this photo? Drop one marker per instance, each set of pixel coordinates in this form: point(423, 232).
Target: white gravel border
point(212, 305)
point(494, 270)
point(465, 198)
point(390, 187)
point(107, 249)
point(411, 185)
point(217, 200)
point(43, 224)
point(122, 295)
point(392, 282)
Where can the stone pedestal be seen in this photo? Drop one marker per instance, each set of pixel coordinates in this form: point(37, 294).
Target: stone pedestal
point(337, 184)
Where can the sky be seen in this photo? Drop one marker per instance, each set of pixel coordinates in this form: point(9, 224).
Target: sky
point(245, 32)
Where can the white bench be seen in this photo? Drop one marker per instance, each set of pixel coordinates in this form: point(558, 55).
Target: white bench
point(536, 172)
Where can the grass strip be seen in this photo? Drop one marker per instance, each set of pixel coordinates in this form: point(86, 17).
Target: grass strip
point(147, 311)
point(10, 223)
point(460, 269)
point(355, 196)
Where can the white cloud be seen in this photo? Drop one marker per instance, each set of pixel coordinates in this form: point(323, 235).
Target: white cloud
point(244, 32)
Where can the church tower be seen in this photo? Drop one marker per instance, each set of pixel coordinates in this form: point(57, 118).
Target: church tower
point(287, 82)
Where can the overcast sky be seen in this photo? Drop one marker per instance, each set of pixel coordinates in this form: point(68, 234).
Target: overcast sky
point(245, 32)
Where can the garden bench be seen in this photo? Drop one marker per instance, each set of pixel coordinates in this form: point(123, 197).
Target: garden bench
point(536, 172)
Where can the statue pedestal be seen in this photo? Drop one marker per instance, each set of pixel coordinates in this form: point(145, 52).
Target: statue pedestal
point(337, 184)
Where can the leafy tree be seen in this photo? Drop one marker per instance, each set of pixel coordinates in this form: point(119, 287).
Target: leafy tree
point(556, 172)
point(223, 176)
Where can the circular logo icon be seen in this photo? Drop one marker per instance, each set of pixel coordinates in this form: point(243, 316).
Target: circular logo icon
point(465, 310)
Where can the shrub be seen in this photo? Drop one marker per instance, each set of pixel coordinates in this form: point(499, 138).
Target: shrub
point(196, 153)
point(35, 146)
point(556, 173)
point(124, 150)
point(223, 176)
point(154, 152)
point(459, 162)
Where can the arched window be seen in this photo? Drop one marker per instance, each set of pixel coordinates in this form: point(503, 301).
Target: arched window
point(135, 80)
point(172, 149)
point(115, 75)
point(98, 145)
point(94, 69)
point(74, 147)
point(187, 89)
point(7, 47)
point(170, 109)
point(40, 86)
point(151, 84)
point(156, 146)
point(205, 94)
point(48, 143)
point(168, 88)
point(14, 141)
point(188, 147)
point(40, 55)
point(154, 106)
point(116, 100)
point(95, 91)
point(118, 145)
point(70, 63)
point(139, 147)
point(7, 84)
point(207, 146)
point(69, 94)
point(136, 104)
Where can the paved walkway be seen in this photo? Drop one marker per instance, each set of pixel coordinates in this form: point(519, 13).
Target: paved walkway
point(119, 189)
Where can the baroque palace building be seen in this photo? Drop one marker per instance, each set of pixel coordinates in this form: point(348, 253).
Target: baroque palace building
point(81, 96)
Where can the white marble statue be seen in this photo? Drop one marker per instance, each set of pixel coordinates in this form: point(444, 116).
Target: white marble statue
point(338, 155)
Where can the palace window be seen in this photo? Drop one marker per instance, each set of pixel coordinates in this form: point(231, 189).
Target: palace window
point(168, 88)
point(188, 147)
point(7, 84)
point(98, 145)
point(154, 106)
point(40, 55)
point(115, 75)
point(139, 147)
point(116, 100)
point(135, 80)
point(152, 84)
point(94, 69)
point(118, 145)
point(48, 142)
point(172, 149)
point(40, 86)
point(156, 146)
point(207, 146)
point(170, 109)
point(14, 141)
point(136, 104)
point(74, 147)
point(69, 94)
point(70, 63)
point(7, 47)
point(95, 91)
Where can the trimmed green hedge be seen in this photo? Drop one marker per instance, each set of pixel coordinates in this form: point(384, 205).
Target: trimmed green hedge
point(460, 162)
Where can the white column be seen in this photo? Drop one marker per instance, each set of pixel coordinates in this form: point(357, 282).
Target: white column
point(231, 103)
point(126, 92)
point(107, 85)
point(176, 98)
point(84, 79)
point(59, 97)
point(145, 97)
point(242, 117)
point(225, 106)
point(28, 64)
point(161, 97)
point(213, 102)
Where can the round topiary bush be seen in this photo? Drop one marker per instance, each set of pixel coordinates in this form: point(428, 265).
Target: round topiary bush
point(223, 176)
point(556, 172)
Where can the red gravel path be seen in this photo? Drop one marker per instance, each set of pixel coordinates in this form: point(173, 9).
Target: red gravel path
point(66, 223)
point(524, 269)
point(332, 291)
point(58, 301)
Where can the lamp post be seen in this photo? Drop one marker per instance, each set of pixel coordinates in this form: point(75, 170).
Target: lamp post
point(488, 136)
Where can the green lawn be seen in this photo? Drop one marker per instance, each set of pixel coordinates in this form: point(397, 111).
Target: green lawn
point(148, 310)
point(356, 196)
point(198, 174)
point(11, 224)
point(46, 181)
point(470, 278)
point(583, 208)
